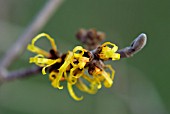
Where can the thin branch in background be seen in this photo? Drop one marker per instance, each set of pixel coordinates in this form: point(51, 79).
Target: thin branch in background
point(22, 73)
point(36, 25)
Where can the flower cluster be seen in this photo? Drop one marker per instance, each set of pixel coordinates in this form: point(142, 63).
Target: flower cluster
point(72, 66)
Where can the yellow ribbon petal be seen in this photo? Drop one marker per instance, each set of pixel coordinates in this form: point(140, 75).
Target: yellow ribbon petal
point(73, 95)
point(40, 60)
point(112, 71)
point(50, 63)
point(78, 51)
point(85, 88)
point(108, 81)
point(53, 75)
point(43, 62)
point(82, 62)
point(76, 72)
point(35, 49)
point(115, 56)
point(62, 69)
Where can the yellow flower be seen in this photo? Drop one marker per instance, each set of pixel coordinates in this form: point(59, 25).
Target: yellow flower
point(71, 66)
point(108, 51)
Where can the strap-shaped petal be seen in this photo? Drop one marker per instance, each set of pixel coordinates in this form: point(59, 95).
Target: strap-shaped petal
point(82, 62)
point(50, 63)
point(37, 50)
point(76, 72)
point(108, 81)
point(112, 71)
point(83, 87)
point(78, 51)
point(40, 60)
point(114, 47)
point(96, 83)
point(115, 56)
point(62, 69)
point(73, 95)
point(93, 80)
point(53, 75)
point(43, 62)
point(72, 80)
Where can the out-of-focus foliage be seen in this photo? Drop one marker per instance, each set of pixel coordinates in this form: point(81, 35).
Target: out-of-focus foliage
point(141, 84)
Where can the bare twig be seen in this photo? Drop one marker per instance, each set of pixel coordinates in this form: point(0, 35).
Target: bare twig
point(135, 46)
point(36, 25)
point(22, 73)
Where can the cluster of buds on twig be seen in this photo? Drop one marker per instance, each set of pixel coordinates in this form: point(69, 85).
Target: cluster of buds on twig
point(72, 66)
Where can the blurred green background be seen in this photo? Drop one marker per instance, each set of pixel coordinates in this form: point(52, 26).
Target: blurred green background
point(141, 83)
